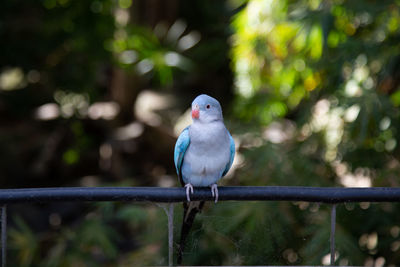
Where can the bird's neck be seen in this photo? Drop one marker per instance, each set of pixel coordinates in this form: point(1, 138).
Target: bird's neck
point(208, 131)
point(208, 122)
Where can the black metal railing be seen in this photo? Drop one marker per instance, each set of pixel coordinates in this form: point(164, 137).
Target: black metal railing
point(327, 195)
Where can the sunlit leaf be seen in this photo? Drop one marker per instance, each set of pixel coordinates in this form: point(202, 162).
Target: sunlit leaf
point(315, 42)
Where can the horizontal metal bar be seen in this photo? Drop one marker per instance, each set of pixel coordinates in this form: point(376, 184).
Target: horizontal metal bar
point(177, 194)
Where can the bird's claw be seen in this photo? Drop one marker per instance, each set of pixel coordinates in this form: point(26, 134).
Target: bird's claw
point(214, 192)
point(189, 189)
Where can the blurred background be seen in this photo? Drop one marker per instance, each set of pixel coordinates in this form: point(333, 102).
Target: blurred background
point(94, 93)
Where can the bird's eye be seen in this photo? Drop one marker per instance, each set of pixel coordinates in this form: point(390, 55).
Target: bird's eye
point(208, 107)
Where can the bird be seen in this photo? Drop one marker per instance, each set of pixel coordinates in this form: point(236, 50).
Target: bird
point(204, 153)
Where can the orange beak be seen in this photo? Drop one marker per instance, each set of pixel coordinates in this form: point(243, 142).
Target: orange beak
point(195, 113)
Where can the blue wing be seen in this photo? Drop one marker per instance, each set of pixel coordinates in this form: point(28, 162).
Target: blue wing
point(232, 148)
point(180, 148)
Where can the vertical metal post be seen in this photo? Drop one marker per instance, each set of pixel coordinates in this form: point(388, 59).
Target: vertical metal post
point(333, 227)
point(3, 235)
point(171, 234)
point(169, 211)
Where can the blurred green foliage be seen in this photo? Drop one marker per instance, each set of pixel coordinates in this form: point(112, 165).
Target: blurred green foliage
point(318, 83)
point(310, 91)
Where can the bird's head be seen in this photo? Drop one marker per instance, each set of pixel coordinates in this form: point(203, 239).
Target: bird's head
point(206, 109)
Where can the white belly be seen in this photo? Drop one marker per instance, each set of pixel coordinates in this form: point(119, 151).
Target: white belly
point(204, 170)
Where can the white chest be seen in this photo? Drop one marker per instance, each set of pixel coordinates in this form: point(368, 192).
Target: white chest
point(209, 150)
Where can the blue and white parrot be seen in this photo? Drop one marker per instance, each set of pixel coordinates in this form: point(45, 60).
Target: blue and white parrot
point(205, 150)
point(204, 153)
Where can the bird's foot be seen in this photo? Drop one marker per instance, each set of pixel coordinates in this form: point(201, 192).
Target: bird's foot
point(214, 192)
point(189, 189)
